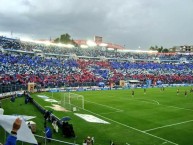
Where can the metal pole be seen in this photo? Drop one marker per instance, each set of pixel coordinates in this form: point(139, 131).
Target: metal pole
point(45, 137)
point(52, 98)
point(69, 97)
point(5, 136)
point(63, 101)
point(83, 102)
point(69, 101)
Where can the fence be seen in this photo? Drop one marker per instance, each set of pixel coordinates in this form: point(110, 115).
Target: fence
point(12, 88)
point(18, 87)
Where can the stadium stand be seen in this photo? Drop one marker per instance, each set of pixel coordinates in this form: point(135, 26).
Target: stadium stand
point(20, 65)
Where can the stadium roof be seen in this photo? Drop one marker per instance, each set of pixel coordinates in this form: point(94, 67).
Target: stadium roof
point(108, 45)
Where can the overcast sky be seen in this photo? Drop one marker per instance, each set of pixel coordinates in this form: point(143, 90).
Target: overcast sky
point(133, 23)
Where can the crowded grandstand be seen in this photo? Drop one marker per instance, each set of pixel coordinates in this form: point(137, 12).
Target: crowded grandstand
point(34, 66)
point(54, 66)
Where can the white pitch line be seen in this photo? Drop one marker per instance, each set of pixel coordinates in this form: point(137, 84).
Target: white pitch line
point(111, 112)
point(156, 101)
point(168, 125)
point(145, 100)
point(132, 128)
point(104, 105)
point(177, 107)
point(148, 101)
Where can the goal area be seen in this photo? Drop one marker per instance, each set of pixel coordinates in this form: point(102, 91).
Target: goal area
point(72, 101)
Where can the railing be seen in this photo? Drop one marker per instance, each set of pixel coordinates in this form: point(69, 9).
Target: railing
point(42, 140)
point(12, 88)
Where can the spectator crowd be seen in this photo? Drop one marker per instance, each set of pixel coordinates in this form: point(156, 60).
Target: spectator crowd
point(18, 68)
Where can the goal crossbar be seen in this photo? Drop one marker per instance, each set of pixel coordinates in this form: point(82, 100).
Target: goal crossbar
point(69, 100)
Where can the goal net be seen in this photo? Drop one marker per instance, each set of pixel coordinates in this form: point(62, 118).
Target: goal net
point(71, 101)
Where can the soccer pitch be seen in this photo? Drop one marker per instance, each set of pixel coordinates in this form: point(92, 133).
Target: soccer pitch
point(155, 118)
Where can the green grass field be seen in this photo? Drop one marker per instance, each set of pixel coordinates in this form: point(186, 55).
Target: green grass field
point(155, 118)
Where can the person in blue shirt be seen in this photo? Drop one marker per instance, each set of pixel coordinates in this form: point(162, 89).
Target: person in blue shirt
point(12, 138)
point(48, 133)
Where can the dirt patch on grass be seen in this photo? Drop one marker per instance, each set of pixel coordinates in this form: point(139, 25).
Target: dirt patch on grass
point(57, 108)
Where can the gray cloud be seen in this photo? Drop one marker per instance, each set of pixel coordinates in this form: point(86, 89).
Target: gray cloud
point(132, 23)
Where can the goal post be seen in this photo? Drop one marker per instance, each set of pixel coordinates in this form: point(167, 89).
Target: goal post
point(71, 100)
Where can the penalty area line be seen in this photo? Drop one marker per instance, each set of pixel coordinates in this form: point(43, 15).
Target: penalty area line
point(180, 108)
point(104, 105)
point(168, 125)
point(144, 100)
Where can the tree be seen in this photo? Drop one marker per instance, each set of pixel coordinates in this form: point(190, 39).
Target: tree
point(151, 48)
point(159, 49)
point(57, 40)
point(165, 50)
point(65, 39)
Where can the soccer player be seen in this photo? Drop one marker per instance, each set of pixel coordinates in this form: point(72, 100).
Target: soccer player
point(132, 93)
point(144, 91)
point(191, 90)
point(178, 91)
point(185, 93)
